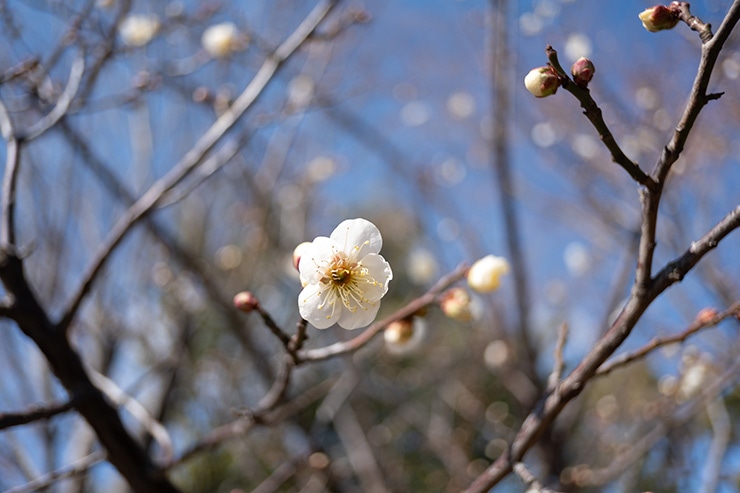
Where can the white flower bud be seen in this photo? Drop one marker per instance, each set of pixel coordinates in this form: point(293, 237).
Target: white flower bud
point(485, 274)
point(221, 39)
point(455, 304)
point(138, 30)
point(542, 81)
point(658, 18)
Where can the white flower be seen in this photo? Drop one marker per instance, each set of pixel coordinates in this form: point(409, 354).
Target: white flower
point(485, 274)
point(138, 30)
point(343, 276)
point(221, 39)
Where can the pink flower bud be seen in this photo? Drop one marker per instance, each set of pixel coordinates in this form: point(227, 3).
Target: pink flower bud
point(246, 301)
point(658, 18)
point(583, 71)
point(542, 81)
point(706, 315)
point(455, 304)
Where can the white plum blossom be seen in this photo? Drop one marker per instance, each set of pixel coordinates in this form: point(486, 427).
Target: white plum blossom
point(137, 30)
point(343, 276)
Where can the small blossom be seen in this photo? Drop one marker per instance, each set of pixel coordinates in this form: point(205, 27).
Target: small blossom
point(343, 276)
point(658, 18)
point(221, 39)
point(542, 81)
point(456, 305)
point(405, 335)
point(583, 71)
point(246, 301)
point(138, 30)
point(485, 274)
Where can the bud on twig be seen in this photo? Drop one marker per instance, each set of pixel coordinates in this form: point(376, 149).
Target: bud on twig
point(582, 71)
point(542, 81)
point(659, 18)
point(455, 303)
point(246, 301)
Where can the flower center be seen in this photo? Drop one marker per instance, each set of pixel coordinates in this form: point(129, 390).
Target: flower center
point(345, 279)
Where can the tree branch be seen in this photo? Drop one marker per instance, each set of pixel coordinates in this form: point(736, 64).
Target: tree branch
point(34, 413)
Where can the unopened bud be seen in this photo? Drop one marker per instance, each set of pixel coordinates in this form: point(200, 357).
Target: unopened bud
point(246, 301)
point(399, 332)
point(485, 274)
point(404, 336)
point(298, 253)
point(659, 18)
point(706, 315)
point(455, 304)
point(542, 81)
point(582, 71)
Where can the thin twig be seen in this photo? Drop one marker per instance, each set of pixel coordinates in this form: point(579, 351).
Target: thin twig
point(557, 371)
point(10, 178)
point(529, 479)
point(138, 411)
point(193, 158)
point(79, 466)
point(412, 307)
point(63, 103)
point(661, 341)
point(593, 113)
point(34, 413)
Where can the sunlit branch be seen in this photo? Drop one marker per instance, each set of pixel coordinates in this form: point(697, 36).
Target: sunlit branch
point(529, 479)
point(193, 158)
point(10, 178)
point(139, 412)
point(557, 370)
point(63, 103)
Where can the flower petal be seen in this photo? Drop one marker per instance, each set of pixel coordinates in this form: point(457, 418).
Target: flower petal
point(316, 309)
point(380, 270)
point(314, 256)
point(364, 315)
point(357, 237)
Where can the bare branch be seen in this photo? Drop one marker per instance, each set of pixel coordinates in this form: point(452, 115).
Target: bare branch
point(659, 341)
point(34, 413)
